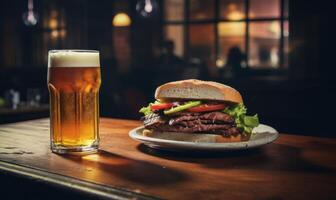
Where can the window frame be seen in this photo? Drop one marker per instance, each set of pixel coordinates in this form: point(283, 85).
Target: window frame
point(218, 19)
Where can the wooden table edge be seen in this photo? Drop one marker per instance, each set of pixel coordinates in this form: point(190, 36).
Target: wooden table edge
point(69, 183)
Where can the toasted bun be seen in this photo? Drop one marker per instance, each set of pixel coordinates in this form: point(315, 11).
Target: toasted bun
point(197, 90)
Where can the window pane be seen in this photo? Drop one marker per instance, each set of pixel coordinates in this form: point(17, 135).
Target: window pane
point(264, 8)
point(174, 10)
point(175, 33)
point(286, 44)
point(264, 44)
point(231, 40)
point(232, 9)
point(201, 43)
point(200, 9)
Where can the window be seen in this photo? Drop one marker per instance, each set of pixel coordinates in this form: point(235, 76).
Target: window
point(212, 30)
point(175, 33)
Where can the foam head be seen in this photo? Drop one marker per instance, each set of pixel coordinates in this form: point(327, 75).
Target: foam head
point(73, 58)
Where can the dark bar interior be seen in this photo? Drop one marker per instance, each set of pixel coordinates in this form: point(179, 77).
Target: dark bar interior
point(279, 54)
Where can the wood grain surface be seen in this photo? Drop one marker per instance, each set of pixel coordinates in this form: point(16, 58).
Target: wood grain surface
point(293, 167)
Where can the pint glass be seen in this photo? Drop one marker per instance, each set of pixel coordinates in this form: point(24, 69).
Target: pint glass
point(73, 82)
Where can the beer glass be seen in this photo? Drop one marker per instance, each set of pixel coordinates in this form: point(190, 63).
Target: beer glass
point(73, 82)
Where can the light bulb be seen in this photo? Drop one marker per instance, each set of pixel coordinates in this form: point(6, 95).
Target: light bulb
point(146, 8)
point(30, 17)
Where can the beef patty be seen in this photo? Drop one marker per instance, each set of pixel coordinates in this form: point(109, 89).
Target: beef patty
point(210, 122)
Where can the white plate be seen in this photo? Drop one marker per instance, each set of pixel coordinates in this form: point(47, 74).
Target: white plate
point(262, 135)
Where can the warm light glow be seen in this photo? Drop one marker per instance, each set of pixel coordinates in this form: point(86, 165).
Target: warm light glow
point(62, 33)
point(121, 19)
point(92, 157)
point(105, 159)
point(231, 29)
point(54, 34)
point(220, 62)
point(53, 23)
point(235, 15)
point(275, 29)
point(274, 57)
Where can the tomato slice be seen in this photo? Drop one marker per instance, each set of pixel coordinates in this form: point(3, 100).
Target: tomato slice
point(161, 106)
point(207, 107)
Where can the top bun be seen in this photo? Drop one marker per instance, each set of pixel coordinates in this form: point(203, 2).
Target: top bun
point(197, 90)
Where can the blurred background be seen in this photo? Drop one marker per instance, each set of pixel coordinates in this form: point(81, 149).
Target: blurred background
point(277, 53)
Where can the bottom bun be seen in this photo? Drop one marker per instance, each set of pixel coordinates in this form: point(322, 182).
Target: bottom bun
point(234, 138)
point(196, 137)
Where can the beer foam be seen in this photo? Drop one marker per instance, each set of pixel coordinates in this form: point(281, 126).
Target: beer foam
point(73, 58)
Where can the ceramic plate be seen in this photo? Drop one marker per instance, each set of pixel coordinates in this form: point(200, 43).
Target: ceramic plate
point(262, 135)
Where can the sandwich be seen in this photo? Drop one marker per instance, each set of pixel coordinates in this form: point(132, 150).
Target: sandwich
point(195, 106)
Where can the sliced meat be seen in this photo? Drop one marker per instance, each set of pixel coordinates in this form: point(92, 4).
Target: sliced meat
point(199, 121)
point(153, 120)
point(183, 118)
point(204, 128)
point(213, 122)
point(215, 117)
point(184, 113)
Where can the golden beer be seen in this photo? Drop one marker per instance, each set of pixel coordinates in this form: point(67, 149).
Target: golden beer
point(73, 82)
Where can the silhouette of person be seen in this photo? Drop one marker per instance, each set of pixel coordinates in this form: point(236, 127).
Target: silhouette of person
point(234, 62)
point(169, 66)
point(264, 55)
point(168, 58)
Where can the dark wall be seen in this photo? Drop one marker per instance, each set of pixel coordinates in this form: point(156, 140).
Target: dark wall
point(312, 65)
point(312, 39)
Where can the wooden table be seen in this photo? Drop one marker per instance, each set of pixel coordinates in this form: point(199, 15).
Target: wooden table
point(293, 167)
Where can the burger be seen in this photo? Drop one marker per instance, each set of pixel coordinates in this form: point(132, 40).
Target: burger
point(195, 106)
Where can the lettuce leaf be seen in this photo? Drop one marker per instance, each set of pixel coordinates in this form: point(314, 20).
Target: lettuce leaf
point(236, 110)
point(244, 122)
point(146, 110)
point(251, 121)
